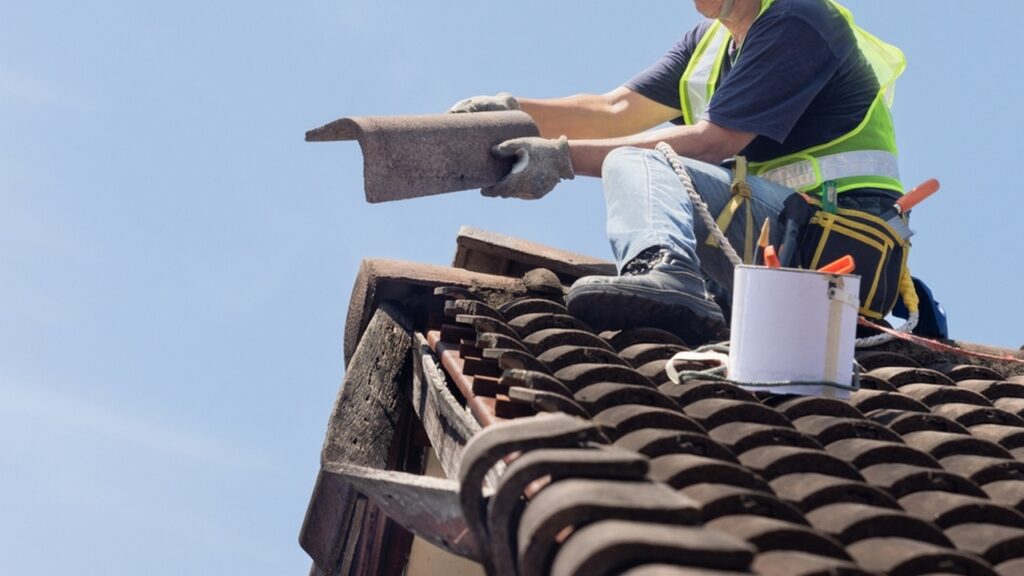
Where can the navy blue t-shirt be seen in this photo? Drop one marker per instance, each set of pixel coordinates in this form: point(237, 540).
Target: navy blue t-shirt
point(798, 81)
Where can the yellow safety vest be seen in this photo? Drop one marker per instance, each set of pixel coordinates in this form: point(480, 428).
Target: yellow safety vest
point(864, 157)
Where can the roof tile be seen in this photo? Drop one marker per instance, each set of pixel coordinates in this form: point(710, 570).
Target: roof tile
point(863, 453)
point(803, 564)
point(810, 491)
point(719, 500)
point(996, 544)
point(900, 376)
point(946, 510)
point(625, 418)
point(902, 479)
point(609, 547)
point(828, 429)
point(903, 557)
point(743, 436)
point(850, 523)
point(714, 412)
point(652, 442)
point(769, 535)
point(943, 444)
point(682, 470)
point(983, 469)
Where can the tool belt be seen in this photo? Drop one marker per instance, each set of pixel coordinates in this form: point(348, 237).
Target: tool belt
point(880, 253)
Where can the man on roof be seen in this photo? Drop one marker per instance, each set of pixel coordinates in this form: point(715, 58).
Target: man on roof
point(792, 86)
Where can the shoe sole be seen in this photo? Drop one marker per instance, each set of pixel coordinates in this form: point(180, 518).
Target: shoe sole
point(608, 307)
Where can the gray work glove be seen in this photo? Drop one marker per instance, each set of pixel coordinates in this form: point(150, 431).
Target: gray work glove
point(540, 164)
point(499, 103)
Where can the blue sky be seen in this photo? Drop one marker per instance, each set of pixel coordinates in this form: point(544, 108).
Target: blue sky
point(176, 262)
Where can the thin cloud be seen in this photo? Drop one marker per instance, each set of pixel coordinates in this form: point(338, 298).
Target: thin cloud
point(20, 88)
point(73, 412)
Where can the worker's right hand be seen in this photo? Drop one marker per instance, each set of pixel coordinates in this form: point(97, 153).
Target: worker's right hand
point(498, 103)
point(539, 166)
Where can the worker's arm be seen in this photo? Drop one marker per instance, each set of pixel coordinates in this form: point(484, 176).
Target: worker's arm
point(610, 115)
point(620, 112)
point(541, 162)
point(702, 141)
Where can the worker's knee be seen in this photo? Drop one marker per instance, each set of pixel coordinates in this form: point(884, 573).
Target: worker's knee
point(629, 159)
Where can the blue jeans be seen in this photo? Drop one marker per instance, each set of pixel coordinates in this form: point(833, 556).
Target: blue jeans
point(648, 206)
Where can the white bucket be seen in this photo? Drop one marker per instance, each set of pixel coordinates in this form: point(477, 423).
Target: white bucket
point(794, 326)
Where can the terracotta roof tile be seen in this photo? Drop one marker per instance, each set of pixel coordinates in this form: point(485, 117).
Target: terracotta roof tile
point(872, 359)
point(994, 389)
point(626, 418)
point(1006, 492)
point(577, 503)
point(943, 444)
point(971, 415)
point(741, 437)
point(850, 523)
point(720, 500)
point(984, 469)
point(946, 510)
point(714, 412)
point(905, 422)
point(899, 376)
point(904, 557)
point(604, 395)
point(868, 401)
point(653, 442)
point(682, 470)
point(829, 429)
point(961, 372)
point(611, 546)
point(862, 453)
point(770, 535)
point(578, 376)
point(642, 353)
point(803, 564)
point(922, 471)
point(994, 543)
point(936, 394)
point(810, 491)
point(693, 392)
point(794, 408)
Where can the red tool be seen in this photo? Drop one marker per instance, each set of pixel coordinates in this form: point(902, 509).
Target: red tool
point(844, 265)
point(908, 201)
point(771, 259)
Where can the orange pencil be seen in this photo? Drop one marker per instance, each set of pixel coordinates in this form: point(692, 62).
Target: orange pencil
point(762, 242)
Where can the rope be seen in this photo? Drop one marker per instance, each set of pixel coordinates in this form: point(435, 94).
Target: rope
point(884, 337)
point(702, 208)
point(717, 374)
point(938, 346)
point(730, 253)
point(913, 303)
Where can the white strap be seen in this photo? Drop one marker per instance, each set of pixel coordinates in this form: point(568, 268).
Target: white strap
point(800, 175)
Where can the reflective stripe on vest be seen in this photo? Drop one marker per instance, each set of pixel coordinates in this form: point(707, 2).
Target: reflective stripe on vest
point(698, 82)
point(810, 172)
point(866, 156)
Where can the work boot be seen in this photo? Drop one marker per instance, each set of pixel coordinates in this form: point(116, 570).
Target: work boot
point(655, 289)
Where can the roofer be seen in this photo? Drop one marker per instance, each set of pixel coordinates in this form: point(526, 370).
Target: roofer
point(794, 86)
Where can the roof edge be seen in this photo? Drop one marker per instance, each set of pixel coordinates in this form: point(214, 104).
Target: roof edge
point(379, 280)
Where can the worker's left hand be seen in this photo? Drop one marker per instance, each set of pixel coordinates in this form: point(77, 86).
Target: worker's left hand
point(540, 164)
point(500, 102)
